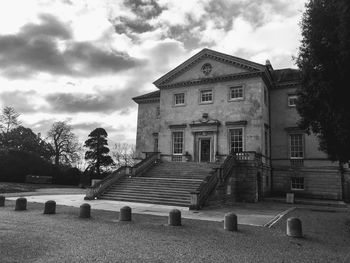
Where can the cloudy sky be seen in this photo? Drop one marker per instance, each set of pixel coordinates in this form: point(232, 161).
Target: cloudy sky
point(83, 60)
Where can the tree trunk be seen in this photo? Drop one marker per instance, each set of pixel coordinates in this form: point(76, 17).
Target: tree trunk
point(57, 159)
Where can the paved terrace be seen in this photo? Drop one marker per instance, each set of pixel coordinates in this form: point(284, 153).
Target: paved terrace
point(259, 214)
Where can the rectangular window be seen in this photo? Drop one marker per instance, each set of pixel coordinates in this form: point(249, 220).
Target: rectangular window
point(292, 100)
point(179, 99)
point(178, 142)
point(155, 144)
point(236, 140)
point(236, 93)
point(297, 183)
point(296, 146)
point(206, 96)
point(265, 96)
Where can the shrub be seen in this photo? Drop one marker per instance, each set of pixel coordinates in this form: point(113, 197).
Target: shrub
point(15, 165)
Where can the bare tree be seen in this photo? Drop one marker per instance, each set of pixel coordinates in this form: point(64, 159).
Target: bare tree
point(9, 119)
point(64, 143)
point(124, 154)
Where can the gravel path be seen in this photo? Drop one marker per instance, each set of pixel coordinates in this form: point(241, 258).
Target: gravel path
point(30, 236)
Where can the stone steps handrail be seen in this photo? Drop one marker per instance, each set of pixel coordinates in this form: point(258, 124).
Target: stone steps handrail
point(97, 189)
point(145, 164)
point(219, 175)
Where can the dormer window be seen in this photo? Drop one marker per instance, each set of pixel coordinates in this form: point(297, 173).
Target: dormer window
point(206, 96)
point(179, 99)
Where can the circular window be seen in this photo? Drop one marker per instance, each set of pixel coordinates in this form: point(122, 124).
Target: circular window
point(206, 68)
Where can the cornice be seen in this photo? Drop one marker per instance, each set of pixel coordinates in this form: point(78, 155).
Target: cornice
point(204, 54)
point(213, 79)
point(217, 124)
point(177, 126)
point(287, 85)
point(149, 100)
point(242, 122)
point(294, 129)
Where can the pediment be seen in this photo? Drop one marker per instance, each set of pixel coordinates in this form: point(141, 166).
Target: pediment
point(206, 65)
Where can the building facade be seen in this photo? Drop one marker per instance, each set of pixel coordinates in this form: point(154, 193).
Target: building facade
point(215, 104)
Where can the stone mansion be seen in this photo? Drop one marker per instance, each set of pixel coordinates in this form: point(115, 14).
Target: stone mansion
point(214, 104)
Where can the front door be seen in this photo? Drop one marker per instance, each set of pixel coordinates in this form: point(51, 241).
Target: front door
point(204, 150)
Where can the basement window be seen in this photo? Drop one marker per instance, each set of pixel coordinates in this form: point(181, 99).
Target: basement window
point(292, 100)
point(297, 183)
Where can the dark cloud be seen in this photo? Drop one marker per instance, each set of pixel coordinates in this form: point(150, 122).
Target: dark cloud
point(144, 11)
point(49, 26)
point(90, 126)
point(21, 101)
point(35, 49)
point(101, 101)
point(257, 13)
point(221, 14)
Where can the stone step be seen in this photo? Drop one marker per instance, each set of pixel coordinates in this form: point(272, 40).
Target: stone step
point(166, 183)
point(147, 198)
point(149, 201)
point(152, 188)
point(161, 181)
point(185, 197)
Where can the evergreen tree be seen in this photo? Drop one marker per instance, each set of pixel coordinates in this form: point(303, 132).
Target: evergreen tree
point(97, 155)
point(8, 119)
point(324, 61)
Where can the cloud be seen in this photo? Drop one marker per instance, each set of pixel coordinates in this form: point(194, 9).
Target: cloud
point(143, 12)
point(48, 47)
point(101, 101)
point(21, 101)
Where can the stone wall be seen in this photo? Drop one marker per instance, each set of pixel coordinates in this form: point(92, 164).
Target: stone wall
point(318, 183)
point(242, 184)
point(282, 117)
point(249, 109)
point(147, 126)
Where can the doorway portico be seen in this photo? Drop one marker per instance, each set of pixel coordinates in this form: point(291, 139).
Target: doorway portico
point(205, 133)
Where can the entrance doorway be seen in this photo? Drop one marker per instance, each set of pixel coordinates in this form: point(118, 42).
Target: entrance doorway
point(204, 149)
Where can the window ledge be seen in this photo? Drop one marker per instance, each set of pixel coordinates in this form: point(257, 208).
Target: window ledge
point(236, 99)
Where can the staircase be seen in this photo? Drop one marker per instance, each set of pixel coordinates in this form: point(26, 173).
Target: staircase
point(167, 183)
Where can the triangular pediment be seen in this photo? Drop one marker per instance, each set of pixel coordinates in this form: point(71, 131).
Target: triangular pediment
point(208, 64)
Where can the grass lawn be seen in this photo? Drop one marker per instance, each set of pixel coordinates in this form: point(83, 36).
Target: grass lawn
point(24, 187)
point(30, 236)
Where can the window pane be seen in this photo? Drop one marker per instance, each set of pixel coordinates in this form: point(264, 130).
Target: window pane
point(179, 99)
point(236, 140)
point(297, 183)
point(296, 146)
point(206, 96)
point(236, 92)
point(292, 100)
point(177, 142)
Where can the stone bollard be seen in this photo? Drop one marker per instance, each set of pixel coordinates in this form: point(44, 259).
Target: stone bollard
point(50, 207)
point(174, 218)
point(230, 222)
point(294, 228)
point(2, 200)
point(21, 204)
point(125, 213)
point(85, 211)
